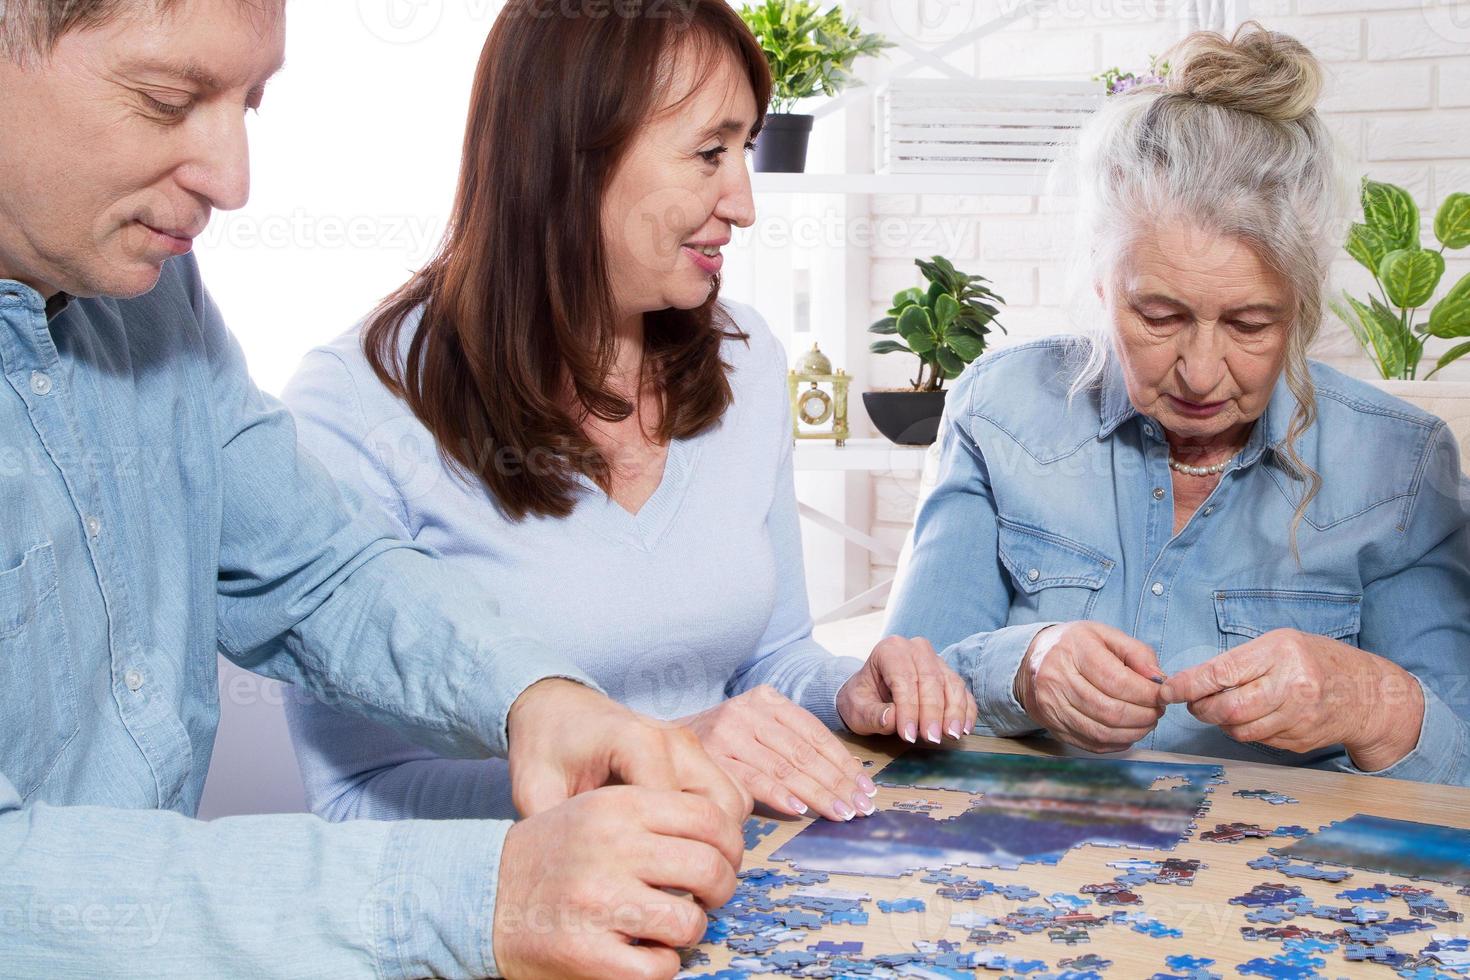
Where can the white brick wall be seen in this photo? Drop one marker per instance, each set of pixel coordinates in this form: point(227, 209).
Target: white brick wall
point(1398, 96)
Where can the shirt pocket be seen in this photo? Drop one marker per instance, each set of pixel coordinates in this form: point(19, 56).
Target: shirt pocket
point(1056, 579)
point(36, 671)
point(1244, 614)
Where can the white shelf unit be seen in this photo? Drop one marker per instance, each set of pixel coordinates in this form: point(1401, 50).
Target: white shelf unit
point(835, 287)
point(1020, 183)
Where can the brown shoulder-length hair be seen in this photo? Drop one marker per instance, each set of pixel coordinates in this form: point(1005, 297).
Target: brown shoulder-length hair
point(516, 342)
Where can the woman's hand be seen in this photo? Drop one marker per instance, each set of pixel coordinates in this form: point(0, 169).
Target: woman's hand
point(1091, 685)
point(904, 689)
point(783, 755)
point(1301, 692)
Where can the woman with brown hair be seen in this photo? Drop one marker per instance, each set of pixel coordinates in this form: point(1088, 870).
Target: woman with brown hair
point(561, 403)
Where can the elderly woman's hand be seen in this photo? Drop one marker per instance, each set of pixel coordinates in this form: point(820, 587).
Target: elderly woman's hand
point(1300, 692)
point(784, 755)
point(1091, 685)
point(906, 689)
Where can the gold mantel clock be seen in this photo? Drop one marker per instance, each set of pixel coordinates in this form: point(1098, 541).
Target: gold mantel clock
point(818, 398)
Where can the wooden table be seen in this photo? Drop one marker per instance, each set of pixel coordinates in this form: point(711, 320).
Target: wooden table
point(1211, 925)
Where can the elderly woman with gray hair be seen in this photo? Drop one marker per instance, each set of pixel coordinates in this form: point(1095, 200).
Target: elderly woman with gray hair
point(1181, 534)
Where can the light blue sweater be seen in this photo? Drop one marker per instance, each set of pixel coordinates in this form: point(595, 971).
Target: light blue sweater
point(699, 597)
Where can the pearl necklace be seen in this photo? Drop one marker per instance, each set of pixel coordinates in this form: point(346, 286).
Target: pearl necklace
point(1210, 470)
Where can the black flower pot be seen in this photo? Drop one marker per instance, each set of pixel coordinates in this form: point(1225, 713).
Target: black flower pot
point(781, 146)
point(909, 418)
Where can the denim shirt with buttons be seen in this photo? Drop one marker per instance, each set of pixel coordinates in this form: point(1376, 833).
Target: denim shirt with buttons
point(1050, 508)
point(155, 507)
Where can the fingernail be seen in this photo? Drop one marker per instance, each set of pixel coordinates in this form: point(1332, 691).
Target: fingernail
point(954, 730)
point(932, 732)
point(866, 784)
point(910, 732)
point(844, 811)
point(887, 713)
point(796, 805)
point(1158, 678)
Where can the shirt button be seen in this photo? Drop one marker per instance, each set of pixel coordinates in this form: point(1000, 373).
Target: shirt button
point(94, 526)
point(1209, 510)
point(133, 679)
point(41, 382)
point(1148, 430)
point(1158, 493)
point(1033, 575)
point(1158, 588)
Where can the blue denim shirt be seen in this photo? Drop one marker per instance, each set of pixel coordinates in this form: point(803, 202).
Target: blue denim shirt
point(1049, 512)
point(156, 508)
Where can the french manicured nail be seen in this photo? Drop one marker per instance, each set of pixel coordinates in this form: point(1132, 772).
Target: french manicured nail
point(843, 811)
point(864, 805)
point(910, 732)
point(866, 785)
point(796, 805)
point(953, 729)
point(887, 714)
point(932, 732)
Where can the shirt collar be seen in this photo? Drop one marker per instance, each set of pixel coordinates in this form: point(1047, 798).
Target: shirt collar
point(1269, 432)
point(56, 305)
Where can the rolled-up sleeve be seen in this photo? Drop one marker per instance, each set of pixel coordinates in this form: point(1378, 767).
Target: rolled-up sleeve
point(787, 657)
point(955, 554)
point(1419, 617)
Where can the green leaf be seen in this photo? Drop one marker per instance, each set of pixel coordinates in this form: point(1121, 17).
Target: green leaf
point(946, 308)
point(936, 290)
point(1452, 222)
point(1392, 213)
point(888, 347)
point(1410, 275)
point(1451, 315)
point(915, 322)
point(1367, 246)
point(1380, 333)
point(1449, 356)
point(966, 346)
point(922, 343)
point(951, 363)
point(887, 325)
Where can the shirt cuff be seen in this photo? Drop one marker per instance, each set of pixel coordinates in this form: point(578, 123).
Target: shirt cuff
point(504, 672)
point(820, 693)
point(989, 662)
point(1439, 756)
point(432, 911)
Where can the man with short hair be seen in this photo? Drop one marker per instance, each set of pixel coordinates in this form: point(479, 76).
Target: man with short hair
point(156, 507)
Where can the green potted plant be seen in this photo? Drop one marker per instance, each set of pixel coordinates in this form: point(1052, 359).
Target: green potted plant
point(1386, 242)
point(945, 326)
point(1392, 326)
point(811, 52)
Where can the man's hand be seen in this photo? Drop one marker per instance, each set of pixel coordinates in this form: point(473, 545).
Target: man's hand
point(567, 739)
point(1301, 692)
point(595, 887)
point(785, 756)
point(904, 688)
point(1091, 685)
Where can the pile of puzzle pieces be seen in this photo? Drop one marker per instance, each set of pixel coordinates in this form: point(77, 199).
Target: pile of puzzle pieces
point(1363, 931)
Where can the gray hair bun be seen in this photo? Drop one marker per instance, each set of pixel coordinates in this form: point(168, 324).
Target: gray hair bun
point(1257, 71)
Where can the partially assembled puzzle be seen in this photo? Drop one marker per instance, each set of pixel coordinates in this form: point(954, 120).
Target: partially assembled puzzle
point(972, 812)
